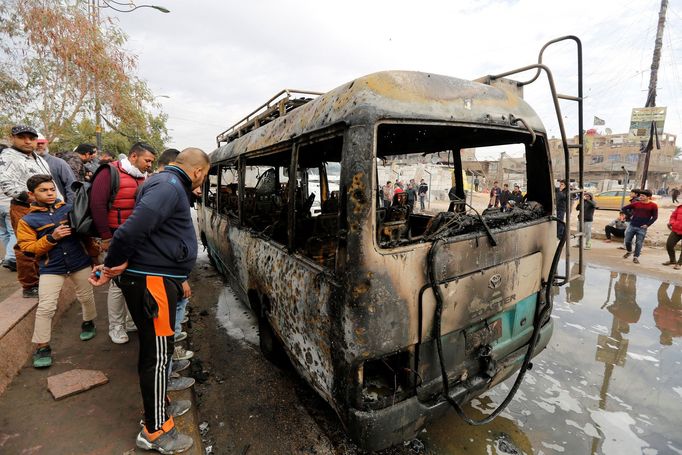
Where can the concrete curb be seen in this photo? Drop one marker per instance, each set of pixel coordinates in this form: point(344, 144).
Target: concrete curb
point(17, 317)
point(189, 423)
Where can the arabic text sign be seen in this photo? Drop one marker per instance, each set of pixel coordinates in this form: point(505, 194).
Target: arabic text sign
point(641, 119)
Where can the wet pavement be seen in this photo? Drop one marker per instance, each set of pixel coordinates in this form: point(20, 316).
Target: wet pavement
point(608, 383)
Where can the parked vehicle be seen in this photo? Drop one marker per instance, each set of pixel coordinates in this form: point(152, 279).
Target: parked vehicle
point(391, 316)
point(612, 200)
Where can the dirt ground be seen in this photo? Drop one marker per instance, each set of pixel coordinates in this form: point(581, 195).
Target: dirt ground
point(250, 405)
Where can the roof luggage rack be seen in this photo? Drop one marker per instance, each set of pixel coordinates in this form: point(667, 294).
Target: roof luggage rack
point(278, 106)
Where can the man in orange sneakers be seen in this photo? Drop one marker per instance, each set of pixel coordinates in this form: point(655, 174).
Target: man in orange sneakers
point(150, 255)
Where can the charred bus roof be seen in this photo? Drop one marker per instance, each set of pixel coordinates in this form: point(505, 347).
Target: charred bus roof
point(386, 95)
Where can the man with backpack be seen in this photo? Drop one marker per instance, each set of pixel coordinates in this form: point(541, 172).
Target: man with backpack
point(112, 199)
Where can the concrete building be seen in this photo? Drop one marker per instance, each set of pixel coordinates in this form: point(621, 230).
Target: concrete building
point(606, 157)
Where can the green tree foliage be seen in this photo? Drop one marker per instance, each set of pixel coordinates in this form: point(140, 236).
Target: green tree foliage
point(59, 61)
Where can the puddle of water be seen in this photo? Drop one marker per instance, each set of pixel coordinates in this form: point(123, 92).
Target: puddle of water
point(237, 319)
point(608, 383)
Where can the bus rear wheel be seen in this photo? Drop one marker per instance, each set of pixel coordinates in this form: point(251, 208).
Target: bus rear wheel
point(270, 344)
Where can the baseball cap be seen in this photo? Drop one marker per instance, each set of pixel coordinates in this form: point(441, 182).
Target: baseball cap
point(21, 129)
point(42, 141)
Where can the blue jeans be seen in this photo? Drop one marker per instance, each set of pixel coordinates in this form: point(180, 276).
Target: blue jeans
point(7, 234)
point(179, 316)
point(639, 233)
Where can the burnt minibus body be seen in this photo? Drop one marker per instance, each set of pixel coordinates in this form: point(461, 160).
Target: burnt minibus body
point(292, 215)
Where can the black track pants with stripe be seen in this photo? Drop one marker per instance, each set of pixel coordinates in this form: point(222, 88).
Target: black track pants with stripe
point(152, 301)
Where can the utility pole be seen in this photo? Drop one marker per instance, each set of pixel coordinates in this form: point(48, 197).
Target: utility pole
point(651, 96)
point(94, 15)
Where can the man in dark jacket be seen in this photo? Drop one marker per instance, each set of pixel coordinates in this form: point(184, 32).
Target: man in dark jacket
point(150, 255)
point(77, 159)
point(505, 195)
point(423, 189)
point(60, 170)
point(588, 205)
point(516, 195)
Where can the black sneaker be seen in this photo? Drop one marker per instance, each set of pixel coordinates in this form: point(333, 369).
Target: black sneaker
point(11, 265)
point(42, 358)
point(635, 260)
point(31, 293)
point(626, 255)
point(88, 331)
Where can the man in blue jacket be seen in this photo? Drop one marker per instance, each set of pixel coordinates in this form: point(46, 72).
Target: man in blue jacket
point(150, 256)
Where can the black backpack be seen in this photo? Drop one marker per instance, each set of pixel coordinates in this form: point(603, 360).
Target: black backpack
point(80, 217)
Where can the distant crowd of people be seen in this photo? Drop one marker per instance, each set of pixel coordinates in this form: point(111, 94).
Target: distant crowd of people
point(503, 198)
point(141, 243)
point(413, 191)
point(631, 224)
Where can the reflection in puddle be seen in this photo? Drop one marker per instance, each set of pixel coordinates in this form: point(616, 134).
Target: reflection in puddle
point(608, 383)
point(237, 319)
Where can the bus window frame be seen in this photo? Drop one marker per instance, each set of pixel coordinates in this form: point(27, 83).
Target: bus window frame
point(387, 251)
point(338, 131)
point(233, 164)
point(282, 147)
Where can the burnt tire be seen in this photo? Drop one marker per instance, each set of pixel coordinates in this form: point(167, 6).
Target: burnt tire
point(270, 344)
point(212, 260)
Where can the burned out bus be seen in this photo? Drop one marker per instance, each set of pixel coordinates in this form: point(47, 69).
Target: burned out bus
point(391, 314)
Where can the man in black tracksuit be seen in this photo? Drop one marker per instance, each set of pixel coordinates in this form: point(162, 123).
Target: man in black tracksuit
point(150, 255)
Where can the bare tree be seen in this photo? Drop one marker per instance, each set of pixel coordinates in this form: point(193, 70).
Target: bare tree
point(59, 60)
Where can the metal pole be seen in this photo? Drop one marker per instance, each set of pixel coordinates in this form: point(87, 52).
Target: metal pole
point(651, 95)
point(625, 186)
point(430, 189)
point(98, 107)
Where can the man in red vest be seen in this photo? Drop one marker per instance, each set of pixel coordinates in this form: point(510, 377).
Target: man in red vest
point(109, 211)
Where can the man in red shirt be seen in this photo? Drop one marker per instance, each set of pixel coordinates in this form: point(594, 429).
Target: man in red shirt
point(644, 214)
point(108, 215)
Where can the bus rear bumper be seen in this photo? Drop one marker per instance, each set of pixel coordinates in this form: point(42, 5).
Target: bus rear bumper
point(378, 429)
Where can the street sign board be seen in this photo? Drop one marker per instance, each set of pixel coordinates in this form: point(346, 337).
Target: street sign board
point(640, 121)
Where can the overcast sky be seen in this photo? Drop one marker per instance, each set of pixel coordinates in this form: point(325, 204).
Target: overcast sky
point(216, 61)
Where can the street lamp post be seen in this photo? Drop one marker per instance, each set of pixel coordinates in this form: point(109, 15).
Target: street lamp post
point(95, 6)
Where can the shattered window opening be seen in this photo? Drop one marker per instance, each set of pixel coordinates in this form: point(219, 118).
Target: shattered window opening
point(318, 200)
point(210, 191)
point(266, 194)
point(445, 157)
point(228, 190)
